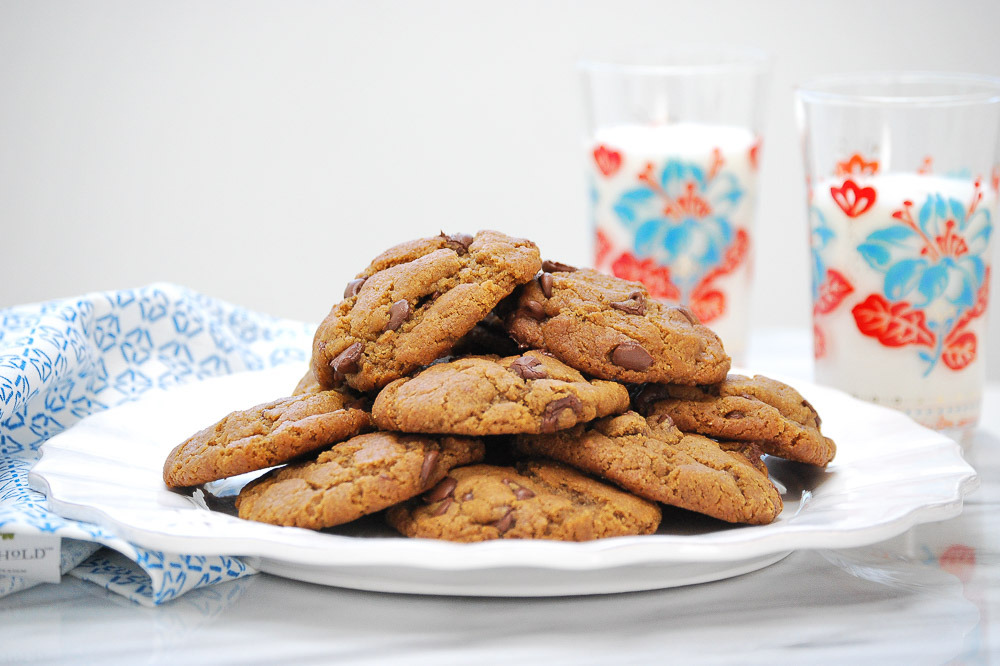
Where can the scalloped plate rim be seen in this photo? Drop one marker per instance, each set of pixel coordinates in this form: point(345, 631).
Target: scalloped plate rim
point(330, 550)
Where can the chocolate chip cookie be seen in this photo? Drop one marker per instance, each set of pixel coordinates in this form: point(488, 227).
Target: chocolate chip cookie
point(767, 412)
point(653, 459)
point(489, 395)
point(535, 500)
point(612, 329)
point(264, 436)
point(360, 476)
point(413, 303)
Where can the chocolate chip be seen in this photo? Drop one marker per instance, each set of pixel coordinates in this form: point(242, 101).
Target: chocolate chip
point(635, 304)
point(557, 267)
point(353, 287)
point(443, 489)
point(442, 507)
point(545, 281)
point(458, 242)
point(504, 523)
point(346, 362)
point(812, 410)
point(523, 493)
point(529, 367)
point(734, 414)
point(534, 309)
point(687, 314)
point(425, 470)
point(662, 419)
point(398, 313)
point(550, 418)
point(648, 395)
point(520, 492)
point(631, 356)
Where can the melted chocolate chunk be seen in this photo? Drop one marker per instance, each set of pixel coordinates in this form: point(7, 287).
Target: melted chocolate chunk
point(648, 395)
point(687, 314)
point(557, 267)
point(635, 304)
point(545, 282)
point(442, 507)
point(353, 287)
point(534, 310)
point(528, 367)
point(523, 493)
point(504, 523)
point(631, 356)
point(346, 361)
point(458, 242)
point(443, 489)
point(550, 418)
point(429, 461)
point(398, 313)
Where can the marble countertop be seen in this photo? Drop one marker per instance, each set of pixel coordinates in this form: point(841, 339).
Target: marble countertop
point(929, 596)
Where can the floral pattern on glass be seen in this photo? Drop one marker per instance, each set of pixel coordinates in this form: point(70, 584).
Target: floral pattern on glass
point(678, 215)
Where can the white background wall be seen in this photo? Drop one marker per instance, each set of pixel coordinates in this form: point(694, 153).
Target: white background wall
point(261, 152)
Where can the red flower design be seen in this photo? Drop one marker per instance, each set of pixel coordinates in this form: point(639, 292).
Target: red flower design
point(755, 154)
point(708, 305)
point(832, 292)
point(950, 243)
point(853, 200)
point(892, 324)
point(602, 248)
point(656, 278)
point(960, 350)
point(958, 560)
point(607, 159)
point(977, 310)
point(819, 342)
point(857, 166)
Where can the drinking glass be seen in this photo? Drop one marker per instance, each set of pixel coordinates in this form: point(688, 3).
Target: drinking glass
point(672, 156)
point(902, 179)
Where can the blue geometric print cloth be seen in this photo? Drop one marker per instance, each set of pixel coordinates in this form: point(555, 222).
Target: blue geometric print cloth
point(65, 359)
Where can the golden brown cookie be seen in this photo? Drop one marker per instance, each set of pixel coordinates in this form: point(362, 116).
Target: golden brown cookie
point(413, 303)
point(360, 476)
point(264, 436)
point(655, 460)
point(612, 329)
point(759, 409)
point(488, 395)
point(535, 500)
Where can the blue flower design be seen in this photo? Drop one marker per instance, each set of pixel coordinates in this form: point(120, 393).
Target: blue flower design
point(682, 212)
point(821, 235)
point(936, 258)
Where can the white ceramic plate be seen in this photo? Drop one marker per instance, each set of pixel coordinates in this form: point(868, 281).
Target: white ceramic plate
point(889, 474)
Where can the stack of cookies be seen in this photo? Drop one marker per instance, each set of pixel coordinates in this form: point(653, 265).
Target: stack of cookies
point(472, 391)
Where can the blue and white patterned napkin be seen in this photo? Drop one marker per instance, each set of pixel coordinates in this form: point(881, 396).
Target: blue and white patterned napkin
point(65, 359)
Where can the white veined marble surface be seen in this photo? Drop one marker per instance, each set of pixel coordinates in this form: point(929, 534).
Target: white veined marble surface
point(929, 596)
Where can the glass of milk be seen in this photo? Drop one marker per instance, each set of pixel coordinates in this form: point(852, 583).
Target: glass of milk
point(672, 154)
point(902, 179)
